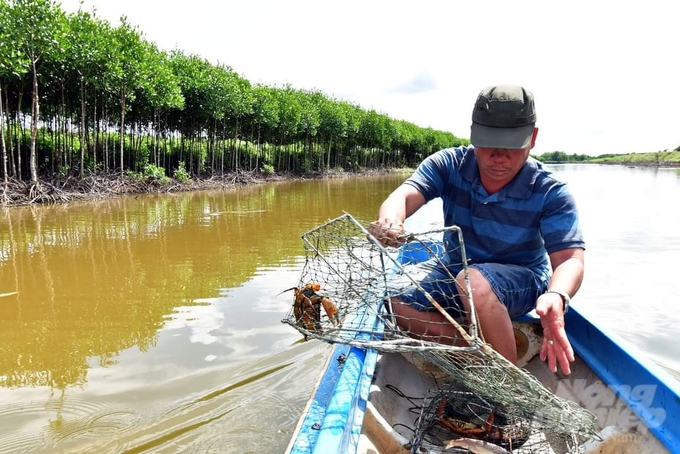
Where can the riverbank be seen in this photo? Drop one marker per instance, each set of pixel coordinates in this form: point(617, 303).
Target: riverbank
point(665, 159)
point(108, 185)
point(646, 164)
point(662, 164)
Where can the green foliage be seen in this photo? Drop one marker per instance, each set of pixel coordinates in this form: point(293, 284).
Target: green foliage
point(137, 176)
point(268, 169)
point(560, 156)
point(13, 61)
point(64, 171)
point(169, 107)
point(658, 158)
point(180, 173)
point(265, 109)
point(305, 166)
point(162, 89)
point(153, 172)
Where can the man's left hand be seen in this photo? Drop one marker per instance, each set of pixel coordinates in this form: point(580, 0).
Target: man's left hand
point(556, 347)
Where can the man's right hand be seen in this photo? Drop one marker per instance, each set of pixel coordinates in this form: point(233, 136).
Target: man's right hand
point(388, 232)
point(402, 203)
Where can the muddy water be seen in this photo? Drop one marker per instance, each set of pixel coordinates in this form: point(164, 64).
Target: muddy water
point(145, 323)
point(152, 323)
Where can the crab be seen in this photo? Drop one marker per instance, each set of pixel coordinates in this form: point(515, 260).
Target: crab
point(460, 427)
point(491, 428)
point(306, 308)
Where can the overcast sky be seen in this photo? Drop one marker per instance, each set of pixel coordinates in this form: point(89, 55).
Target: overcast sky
point(604, 73)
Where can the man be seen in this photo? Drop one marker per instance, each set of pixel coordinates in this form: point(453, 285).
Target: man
point(520, 226)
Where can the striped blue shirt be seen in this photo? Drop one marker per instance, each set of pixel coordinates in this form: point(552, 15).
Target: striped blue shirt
point(532, 216)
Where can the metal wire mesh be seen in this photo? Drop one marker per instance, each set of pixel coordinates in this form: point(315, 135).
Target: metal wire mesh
point(349, 280)
point(462, 421)
point(348, 289)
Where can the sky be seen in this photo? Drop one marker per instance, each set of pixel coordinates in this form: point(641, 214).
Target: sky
point(604, 73)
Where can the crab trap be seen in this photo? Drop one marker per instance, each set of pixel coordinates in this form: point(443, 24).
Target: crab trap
point(349, 281)
point(350, 291)
point(458, 420)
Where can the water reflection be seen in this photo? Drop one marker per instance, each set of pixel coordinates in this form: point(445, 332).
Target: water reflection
point(169, 272)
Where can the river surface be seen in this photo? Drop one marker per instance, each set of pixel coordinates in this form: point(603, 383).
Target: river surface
point(153, 323)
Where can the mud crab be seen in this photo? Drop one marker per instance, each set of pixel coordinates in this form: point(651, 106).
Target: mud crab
point(486, 425)
point(456, 424)
point(306, 307)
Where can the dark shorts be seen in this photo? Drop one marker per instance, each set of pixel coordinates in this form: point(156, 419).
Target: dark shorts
point(516, 287)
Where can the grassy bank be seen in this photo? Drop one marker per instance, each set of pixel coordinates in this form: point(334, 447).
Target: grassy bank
point(658, 159)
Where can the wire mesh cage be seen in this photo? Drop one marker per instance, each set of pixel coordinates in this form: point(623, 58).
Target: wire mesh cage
point(350, 280)
point(350, 291)
point(457, 420)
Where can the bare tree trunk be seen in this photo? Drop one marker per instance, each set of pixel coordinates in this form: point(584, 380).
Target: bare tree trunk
point(10, 146)
point(328, 157)
point(222, 147)
point(237, 157)
point(212, 145)
point(19, 135)
point(122, 128)
point(155, 131)
point(106, 137)
point(60, 148)
point(82, 127)
point(35, 112)
point(260, 150)
point(2, 140)
point(95, 125)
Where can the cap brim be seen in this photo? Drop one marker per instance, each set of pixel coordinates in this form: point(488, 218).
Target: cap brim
point(489, 137)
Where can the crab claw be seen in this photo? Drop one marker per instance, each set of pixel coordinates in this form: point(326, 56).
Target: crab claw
point(331, 310)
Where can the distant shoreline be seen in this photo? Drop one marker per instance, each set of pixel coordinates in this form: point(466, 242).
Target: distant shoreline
point(664, 164)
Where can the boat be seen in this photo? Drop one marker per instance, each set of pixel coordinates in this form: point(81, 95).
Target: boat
point(365, 401)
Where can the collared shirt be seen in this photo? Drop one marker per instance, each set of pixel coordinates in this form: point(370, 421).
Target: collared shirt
point(532, 216)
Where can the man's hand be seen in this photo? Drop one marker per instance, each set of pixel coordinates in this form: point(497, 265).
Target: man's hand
point(388, 232)
point(556, 347)
point(397, 207)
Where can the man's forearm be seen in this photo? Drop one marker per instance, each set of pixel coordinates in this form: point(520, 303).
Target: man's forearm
point(568, 276)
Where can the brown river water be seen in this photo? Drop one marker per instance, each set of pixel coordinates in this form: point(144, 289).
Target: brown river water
point(153, 323)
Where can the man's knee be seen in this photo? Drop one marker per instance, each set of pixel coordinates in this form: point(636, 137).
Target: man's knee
point(482, 293)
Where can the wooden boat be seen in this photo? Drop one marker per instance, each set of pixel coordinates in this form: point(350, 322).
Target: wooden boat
point(363, 399)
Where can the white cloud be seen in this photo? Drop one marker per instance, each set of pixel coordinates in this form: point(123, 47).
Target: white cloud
point(602, 72)
point(418, 84)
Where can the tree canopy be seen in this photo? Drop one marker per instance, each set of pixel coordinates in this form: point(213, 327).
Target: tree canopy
point(79, 94)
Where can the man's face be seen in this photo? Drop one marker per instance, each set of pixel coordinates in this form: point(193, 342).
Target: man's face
point(500, 164)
